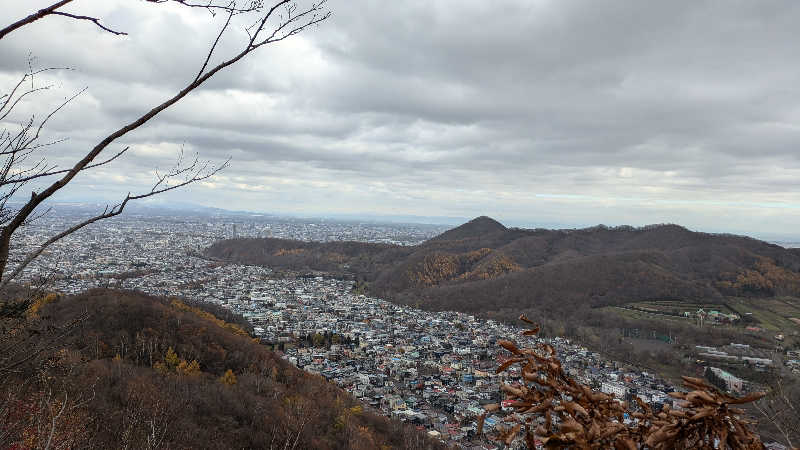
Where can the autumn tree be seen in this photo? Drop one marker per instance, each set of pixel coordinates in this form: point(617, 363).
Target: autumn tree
point(228, 378)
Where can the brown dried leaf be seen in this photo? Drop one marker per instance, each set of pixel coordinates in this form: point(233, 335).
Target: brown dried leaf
point(705, 412)
point(481, 418)
point(511, 390)
point(512, 434)
point(625, 443)
point(696, 382)
point(510, 346)
point(751, 397)
point(676, 413)
point(508, 364)
point(531, 332)
point(530, 440)
point(701, 397)
point(570, 425)
point(523, 318)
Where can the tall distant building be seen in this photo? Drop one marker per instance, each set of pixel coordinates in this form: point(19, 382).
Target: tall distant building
point(234, 231)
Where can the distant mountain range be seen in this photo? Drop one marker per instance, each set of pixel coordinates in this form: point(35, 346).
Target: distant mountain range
point(483, 266)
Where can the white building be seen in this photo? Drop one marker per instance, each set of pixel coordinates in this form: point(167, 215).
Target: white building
point(732, 383)
point(618, 389)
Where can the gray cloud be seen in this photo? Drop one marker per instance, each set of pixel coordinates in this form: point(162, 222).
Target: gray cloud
point(545, 111)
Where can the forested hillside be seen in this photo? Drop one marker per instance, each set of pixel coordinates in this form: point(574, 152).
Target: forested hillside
point(118, 369)
point(484, 266)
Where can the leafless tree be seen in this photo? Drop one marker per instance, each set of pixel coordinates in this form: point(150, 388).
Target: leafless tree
point(781, 409)
point(23, 149)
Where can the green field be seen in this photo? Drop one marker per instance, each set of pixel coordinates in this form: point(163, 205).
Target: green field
point(671, 306)
point(771, 314)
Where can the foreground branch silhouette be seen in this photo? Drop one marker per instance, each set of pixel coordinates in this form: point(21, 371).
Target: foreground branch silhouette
point(551, 406)
point(24, 155)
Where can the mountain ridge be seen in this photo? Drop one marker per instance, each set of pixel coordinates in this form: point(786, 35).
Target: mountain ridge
point(474, 228)
point(655, 261)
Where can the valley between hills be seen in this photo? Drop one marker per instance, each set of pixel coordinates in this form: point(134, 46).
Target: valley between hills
point(647, 295)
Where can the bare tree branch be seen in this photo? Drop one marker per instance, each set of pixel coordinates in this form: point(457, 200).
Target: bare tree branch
point(32, 18)
point(214, 46)
point(95, 20)
point(26, 353)
point(58, 172)
point(212, 6)
point(231, 6)
point(287, 19)
point(161, 185)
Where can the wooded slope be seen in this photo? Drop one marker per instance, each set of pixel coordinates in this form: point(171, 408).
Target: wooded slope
point(141, 372)
point(484, 266)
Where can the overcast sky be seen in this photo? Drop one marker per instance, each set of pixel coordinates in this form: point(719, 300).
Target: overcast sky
point(532, 112)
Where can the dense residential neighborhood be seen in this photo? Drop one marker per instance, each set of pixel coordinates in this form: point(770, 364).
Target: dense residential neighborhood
point(433, 369)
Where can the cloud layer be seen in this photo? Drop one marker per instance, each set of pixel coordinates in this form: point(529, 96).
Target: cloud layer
point(531, 111)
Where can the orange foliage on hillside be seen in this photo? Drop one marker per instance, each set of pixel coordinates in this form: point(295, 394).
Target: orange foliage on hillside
point(37, 304)
point(289, 252)
point(493, 268)
point(435, 269)
point(764, 277)
point(481, 264)
point(236, 329)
